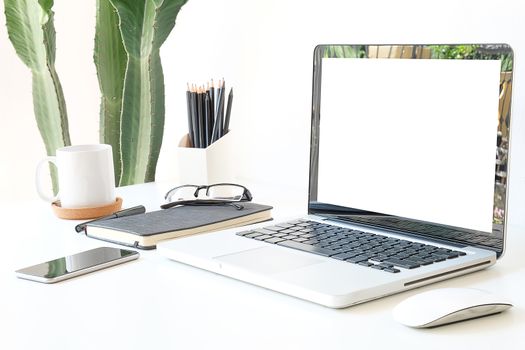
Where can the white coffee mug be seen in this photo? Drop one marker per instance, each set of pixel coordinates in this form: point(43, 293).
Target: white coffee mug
point(86, 177)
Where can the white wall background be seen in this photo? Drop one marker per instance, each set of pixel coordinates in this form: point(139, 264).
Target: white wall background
point(264, 50)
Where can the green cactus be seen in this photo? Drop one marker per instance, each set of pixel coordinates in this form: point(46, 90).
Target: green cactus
point(110, 59)
point(129, 34)
point(32, 33)
point(143, 26)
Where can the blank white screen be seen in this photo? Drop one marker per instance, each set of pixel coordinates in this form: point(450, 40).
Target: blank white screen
point(410, 137)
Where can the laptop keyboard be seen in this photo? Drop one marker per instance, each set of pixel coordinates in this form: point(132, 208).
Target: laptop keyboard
point(353, 246)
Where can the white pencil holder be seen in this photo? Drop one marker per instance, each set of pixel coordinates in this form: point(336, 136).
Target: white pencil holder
point(205, 166)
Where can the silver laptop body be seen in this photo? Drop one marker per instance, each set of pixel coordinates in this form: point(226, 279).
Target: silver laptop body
point(391, 154)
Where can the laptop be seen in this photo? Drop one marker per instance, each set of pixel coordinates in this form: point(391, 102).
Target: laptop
point(408, 178)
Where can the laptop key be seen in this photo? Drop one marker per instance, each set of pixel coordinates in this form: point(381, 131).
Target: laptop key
point(402, 256)
point(386, 266)
point(376, 250)
point(402, 263)
point(280, 234)
point(439, 256)
point(274, 240)
point(274, 228)
point(307, 248)
point(343, 256)
point(311, 241)
point(244, 233)
point(262, 237)
point(358, 259)
point(286, 231)
point(443, 251)
point(392, 270)
point(290, 237)
point(264, 231)
point(412, 261)
point(293, 223)
point(426, 262)
point(253, 235)
point(285, 225)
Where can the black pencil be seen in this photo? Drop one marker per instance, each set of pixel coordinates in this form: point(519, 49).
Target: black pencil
point(210, 107)
point(196, 117)
point(190, 122)
point(204, 117)
point(206, 120)
point(200, 115)
point(221, 115)
point(228, 112)
point(195, 120)
point(218, 122)
point(212, 104)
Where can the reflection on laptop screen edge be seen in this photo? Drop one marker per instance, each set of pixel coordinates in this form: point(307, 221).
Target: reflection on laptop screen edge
point(493, 239)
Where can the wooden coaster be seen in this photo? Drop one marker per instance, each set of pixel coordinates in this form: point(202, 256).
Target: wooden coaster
point(86, 213)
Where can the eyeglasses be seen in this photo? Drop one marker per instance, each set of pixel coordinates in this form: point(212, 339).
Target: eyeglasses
point(216, 194)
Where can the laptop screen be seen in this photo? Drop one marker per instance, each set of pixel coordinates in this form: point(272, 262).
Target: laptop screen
point(413, 138)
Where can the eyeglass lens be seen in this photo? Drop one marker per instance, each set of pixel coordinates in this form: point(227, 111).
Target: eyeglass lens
point(225, 192)
point(187, 192)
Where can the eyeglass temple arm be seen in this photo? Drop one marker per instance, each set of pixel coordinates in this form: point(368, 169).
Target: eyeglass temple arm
point(247, 194)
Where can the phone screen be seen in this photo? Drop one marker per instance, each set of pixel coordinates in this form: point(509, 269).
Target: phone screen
point(74, 264)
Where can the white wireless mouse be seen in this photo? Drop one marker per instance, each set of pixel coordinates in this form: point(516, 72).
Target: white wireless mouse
point(447, 305)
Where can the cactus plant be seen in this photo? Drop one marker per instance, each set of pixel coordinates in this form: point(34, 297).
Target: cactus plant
point(129, 34)
point(32, 32)
point(143, 26)
point(110, 59)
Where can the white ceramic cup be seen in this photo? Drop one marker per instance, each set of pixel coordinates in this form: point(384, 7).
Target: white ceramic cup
point(86, 177)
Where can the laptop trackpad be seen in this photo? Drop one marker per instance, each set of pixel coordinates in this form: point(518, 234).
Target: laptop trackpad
point(268, 260)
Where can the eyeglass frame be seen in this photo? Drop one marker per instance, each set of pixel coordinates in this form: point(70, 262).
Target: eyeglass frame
point(245, 197)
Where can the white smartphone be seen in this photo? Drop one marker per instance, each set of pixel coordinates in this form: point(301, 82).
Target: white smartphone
point(75, 265)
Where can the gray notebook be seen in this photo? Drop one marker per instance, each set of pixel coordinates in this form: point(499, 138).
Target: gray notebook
point(145, 230)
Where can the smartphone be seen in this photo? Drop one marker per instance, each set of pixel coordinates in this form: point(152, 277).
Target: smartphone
point(75, 265)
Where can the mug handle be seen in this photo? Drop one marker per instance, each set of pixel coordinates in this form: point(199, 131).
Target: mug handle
point(38, 175)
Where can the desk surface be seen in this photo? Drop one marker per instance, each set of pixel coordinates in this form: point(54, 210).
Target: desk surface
point(155, 303)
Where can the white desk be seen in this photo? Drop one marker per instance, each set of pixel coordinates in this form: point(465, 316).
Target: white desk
point(155, 303)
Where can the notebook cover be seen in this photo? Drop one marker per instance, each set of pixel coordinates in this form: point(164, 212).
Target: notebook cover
point(173, 220)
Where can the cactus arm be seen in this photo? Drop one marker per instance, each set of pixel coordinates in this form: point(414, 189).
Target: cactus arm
point(144, 26)
point(31, 31)
point(110, 60)
point(158, 109)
